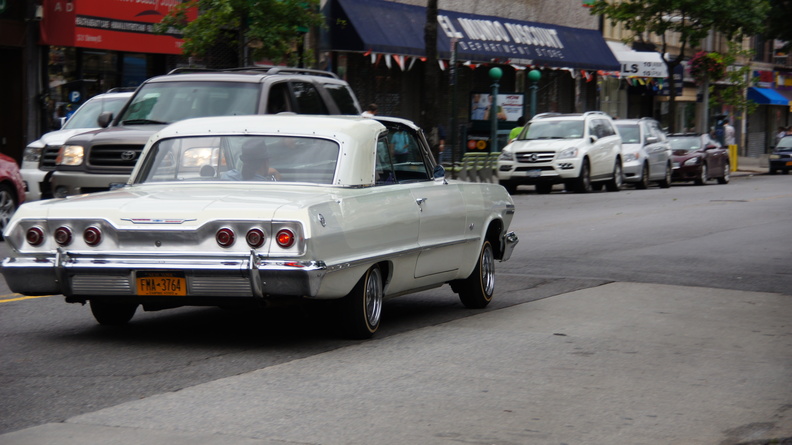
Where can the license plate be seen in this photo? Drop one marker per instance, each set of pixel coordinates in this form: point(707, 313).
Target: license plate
point(533, 173)
point(161, 283)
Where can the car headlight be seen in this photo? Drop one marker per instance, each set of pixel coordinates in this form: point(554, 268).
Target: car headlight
point(629, 157)
point(32, 154)
point(771, 156)
point(70, 155)
point(506, 155)
point(691, 161)
point(571, 152)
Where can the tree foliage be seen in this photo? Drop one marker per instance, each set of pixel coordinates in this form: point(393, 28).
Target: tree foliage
point(687, 22)
point(271, 29)
point(738, 79)
point(778, 21)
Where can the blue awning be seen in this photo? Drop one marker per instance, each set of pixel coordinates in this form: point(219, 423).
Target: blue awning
point(395, 28)
point(767, 96)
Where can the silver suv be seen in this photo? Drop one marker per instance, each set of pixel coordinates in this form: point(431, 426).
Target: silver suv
point(646, 153)
point(84, 119)
point(581, 151)
point(103, 159)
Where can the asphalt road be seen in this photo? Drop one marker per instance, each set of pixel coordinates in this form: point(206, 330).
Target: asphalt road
point(643, 316)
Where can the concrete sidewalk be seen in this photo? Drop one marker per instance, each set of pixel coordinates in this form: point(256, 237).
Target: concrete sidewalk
point(621, 363)
point(751, 166)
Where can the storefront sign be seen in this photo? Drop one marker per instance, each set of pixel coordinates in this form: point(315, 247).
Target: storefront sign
point(119, 25)
point(396, 28)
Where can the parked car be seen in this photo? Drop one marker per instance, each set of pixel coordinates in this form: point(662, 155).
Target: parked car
point(582, 151)
point(781, 158)
point(102, 159)
point(646, 155)
point(244, 210)
point(83, 119)
point(12, 189)
point(698, 158)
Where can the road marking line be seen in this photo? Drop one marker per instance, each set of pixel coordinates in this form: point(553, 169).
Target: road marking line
point(4, 300)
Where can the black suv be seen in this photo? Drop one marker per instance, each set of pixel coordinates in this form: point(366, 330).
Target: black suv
point(101, 159)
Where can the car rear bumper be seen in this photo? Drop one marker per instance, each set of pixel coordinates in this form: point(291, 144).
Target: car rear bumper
point(75, 275)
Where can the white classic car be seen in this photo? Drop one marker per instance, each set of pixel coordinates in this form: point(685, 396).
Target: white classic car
point(249, 209)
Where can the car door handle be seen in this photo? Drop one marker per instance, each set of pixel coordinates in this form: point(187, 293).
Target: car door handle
point(420, 202)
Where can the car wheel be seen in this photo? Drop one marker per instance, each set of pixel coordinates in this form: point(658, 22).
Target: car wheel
point(8, 206)
point(615, 184)
point(362, 308)
point(112, 313)
point(702, 177)
point(726, 172)
point(666, 181)
point(544, 188)
point(476, 291)
point(773, 171)
point(583, 183)
point(643, 182)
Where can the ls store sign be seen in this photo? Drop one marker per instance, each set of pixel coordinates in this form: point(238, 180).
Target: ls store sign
point(118, 25)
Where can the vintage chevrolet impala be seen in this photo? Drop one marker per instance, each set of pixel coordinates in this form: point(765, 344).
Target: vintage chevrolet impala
point(251, 209)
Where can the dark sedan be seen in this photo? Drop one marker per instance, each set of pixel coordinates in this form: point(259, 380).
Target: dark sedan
point(781, 158)
point(698, 158)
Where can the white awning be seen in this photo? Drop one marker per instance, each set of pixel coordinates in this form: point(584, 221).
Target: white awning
point(638, 63)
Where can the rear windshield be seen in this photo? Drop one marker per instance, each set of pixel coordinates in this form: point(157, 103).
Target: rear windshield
point(241, 158)
point(168, 102)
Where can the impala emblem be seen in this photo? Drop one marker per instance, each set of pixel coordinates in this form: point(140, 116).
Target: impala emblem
point(128, 155)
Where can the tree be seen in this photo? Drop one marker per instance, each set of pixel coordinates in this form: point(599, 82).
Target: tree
point(690, 21)
point(738, 80)
point(778, 21)
point(265, 29)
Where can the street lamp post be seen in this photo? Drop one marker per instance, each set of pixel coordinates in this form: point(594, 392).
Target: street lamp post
point(534, 76)
point(495, 74)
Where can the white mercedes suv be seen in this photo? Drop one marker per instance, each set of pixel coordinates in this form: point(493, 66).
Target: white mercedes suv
point(581, 151)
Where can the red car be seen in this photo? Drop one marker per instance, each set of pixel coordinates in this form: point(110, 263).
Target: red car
point(697, 157)
point(12, 189)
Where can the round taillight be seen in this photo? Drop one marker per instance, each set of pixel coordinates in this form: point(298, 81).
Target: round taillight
point(255, 237)
point(92, 236)
point(225, 237)
point(34, 236)
point(285, 238)
point(63, 235)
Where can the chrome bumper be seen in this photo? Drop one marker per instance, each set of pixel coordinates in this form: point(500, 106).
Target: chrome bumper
point(250, 276)
point(510, 240)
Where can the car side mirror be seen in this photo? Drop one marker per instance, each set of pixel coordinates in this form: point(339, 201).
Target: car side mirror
point(104, 119)
point(652, 139)
point(593, 138)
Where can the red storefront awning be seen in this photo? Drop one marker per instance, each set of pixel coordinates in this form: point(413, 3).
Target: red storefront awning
point(117, 25)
